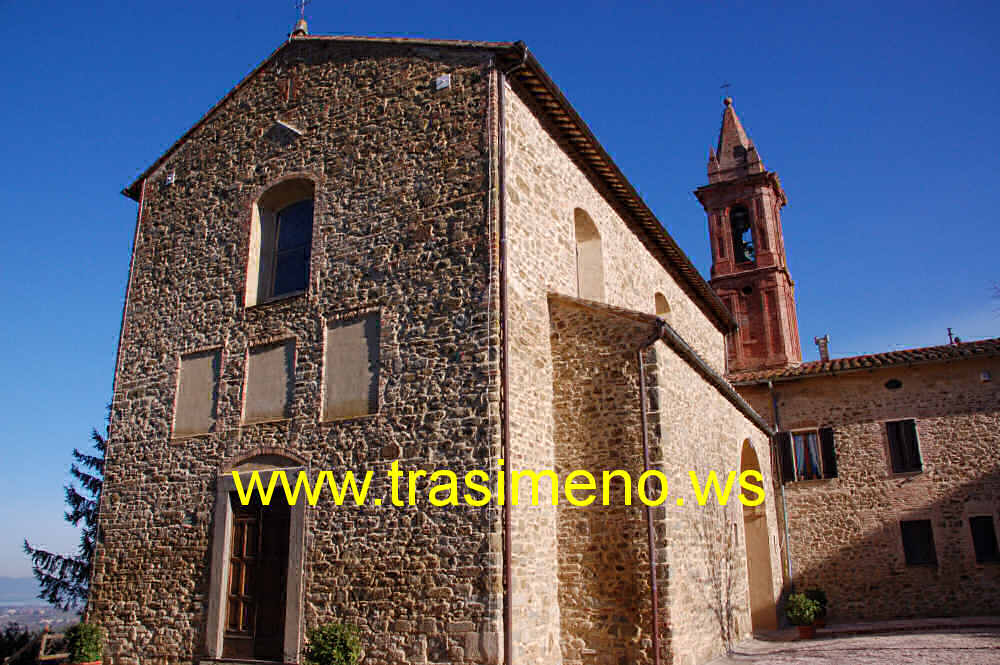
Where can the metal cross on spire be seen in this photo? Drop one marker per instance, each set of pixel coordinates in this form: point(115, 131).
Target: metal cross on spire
point(301, 6)
point(725, 89)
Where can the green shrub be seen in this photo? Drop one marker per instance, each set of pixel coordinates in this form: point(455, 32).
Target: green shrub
point(801, 610)
point(333, 644)
point(820, 597)
point(85, 642)
point(13, 638)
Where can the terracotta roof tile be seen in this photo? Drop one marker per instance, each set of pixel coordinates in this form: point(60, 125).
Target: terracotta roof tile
point(986, 348)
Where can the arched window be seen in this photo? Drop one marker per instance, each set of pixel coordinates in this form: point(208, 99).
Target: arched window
point(280, 242)
point(662, 306)
point(739, 220)
point(589, 259)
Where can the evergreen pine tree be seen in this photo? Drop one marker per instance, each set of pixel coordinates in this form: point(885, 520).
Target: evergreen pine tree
point(64, 579)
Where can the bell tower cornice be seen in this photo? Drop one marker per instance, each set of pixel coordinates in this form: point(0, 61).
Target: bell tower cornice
point(725, 192)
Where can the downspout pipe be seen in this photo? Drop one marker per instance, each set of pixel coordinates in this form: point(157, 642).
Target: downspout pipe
point(508, 613)
point(647, 464)
point(776, 454)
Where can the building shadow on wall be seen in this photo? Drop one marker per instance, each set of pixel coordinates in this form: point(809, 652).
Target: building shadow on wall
point(603, 565)
point(724, 580)
point(868, 578)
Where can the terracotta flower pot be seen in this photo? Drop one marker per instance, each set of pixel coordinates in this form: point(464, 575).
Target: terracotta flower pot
point(807, 632)
point(820, 622)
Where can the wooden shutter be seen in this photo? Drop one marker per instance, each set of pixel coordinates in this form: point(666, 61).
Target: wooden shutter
point(918, 542)
point(984, 539)
point(911, 453)
point(903, 447)
point(828, 451)
point(784, 446)
point(892, 430)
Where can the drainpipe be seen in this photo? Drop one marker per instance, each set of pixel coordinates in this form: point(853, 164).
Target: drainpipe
point(775, 454)
point(650, 530)
point(508, 615)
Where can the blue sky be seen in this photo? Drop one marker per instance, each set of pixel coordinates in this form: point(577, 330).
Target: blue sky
point(878, 118)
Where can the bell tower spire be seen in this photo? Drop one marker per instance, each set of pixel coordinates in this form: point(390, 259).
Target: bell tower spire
point(743, 201)
point(737, 156)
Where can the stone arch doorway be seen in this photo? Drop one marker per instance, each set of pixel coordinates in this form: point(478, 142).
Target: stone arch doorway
point(760, 587)
point(255, 593)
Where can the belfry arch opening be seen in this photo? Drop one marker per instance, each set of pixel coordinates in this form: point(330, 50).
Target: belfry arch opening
point(760, 587)
point(743, 242)
point(589, 257)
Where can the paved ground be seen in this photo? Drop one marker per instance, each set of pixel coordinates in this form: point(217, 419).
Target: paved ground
point(952, 646)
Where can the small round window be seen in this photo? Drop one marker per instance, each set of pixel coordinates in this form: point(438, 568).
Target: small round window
point(893, 384)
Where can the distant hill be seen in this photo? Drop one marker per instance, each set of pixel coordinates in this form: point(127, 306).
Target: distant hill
point(19, 590)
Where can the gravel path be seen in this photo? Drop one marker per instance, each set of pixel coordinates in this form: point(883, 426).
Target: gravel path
point(974, 646)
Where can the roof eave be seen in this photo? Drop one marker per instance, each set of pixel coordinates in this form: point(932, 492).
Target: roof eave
point(901, 363)
point(581, 143)
point(679, 345)
point(590, 150)
point(132, 191)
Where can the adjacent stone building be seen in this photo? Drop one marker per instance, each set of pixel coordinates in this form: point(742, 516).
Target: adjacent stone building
point(890, 463)
point(396, 250)
point(892, 478)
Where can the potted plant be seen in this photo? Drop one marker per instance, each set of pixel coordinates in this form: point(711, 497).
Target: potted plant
point(801, 611)
point(333, 644)
point(819, 596)
point(85, 643)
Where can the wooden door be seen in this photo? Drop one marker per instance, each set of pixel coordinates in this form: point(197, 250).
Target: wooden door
point(258, 570)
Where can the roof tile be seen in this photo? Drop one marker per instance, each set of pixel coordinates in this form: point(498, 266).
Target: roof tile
point(986, 348)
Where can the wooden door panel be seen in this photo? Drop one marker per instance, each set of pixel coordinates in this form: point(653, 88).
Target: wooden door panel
point(258, 568)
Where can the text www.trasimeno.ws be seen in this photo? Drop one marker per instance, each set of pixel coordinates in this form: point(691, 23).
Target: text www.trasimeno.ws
point(442, 487)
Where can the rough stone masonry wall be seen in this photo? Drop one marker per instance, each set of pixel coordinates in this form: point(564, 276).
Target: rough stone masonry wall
point(603, 556)
point(400, 227)
point(844, 532)
point(704, 546)
point(544, 187)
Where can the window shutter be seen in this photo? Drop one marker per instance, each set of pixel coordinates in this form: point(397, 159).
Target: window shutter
point(895, 446)
point(918, 542)
point(784, 445)
point(984, 539)
point(829, 452)
point(911, 452)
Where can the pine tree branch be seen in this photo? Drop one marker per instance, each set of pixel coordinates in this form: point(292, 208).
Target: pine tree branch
point(64, 580)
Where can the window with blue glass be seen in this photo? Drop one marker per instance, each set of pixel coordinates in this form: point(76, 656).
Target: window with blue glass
point(807, 454)
point(280, 242)
point(807, 462)
point(292, 248)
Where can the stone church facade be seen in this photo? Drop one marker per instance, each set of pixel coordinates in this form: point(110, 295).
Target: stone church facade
point(387, 250)
point(889, 464)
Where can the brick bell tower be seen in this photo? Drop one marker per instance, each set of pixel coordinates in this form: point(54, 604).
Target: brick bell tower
point(749, 272)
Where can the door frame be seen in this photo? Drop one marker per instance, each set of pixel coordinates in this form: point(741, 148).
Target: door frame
point(219, 575)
